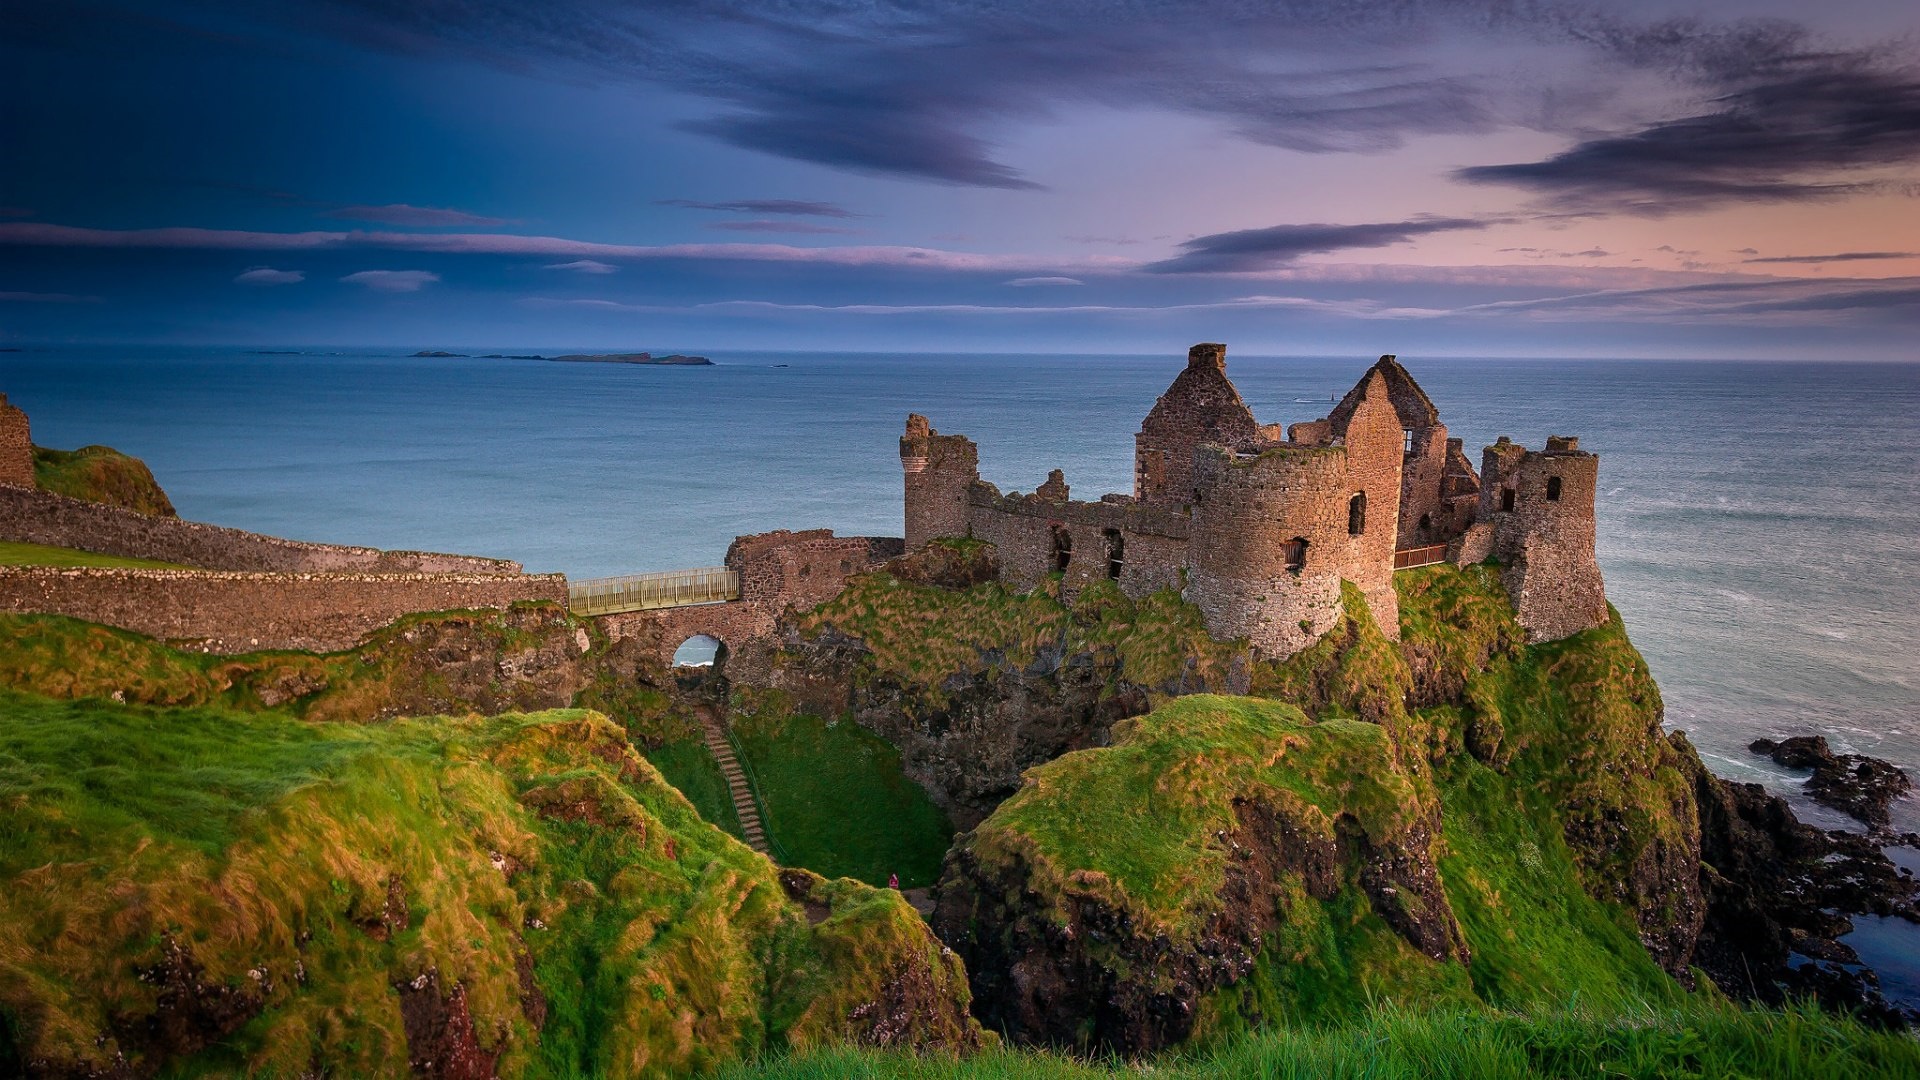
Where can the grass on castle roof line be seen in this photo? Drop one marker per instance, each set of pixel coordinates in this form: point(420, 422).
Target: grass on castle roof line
point(18, 554)
point(1700, 1039)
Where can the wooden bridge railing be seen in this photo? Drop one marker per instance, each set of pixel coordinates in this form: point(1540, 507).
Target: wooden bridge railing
point(1408, 558)
point(639, 592)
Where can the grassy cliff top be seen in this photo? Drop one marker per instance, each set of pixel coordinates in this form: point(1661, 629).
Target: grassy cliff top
point(247, 891)
point(101, 474)
point(1141, 821)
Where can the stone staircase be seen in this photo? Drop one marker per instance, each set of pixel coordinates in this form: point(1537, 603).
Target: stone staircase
point(751, 827)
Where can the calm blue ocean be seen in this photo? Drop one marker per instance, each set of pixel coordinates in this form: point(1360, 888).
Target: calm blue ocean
point(1759, 522)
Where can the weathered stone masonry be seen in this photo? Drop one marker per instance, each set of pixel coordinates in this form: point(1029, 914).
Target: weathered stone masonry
point(779, 571)
point(16, 446)
point(238, 611)
point(1259, 530)
point(29, 515)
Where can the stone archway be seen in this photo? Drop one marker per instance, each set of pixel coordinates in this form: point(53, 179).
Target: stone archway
point(700, 650)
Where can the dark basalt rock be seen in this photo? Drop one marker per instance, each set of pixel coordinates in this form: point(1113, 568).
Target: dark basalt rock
point(1779, 893)
point(441, 1042)
point(1855, 784)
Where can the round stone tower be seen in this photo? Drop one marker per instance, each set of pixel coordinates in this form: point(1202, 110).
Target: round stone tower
point(1270, 544)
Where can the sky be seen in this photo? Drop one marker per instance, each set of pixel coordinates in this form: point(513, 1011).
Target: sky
point(1424, 177)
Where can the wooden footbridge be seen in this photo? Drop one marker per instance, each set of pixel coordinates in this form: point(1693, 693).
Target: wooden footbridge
point(643, 592)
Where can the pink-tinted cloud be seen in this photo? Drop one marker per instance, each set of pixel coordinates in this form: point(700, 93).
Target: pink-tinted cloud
point(393, 281)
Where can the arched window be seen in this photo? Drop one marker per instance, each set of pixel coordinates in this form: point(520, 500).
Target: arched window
point(1426, 522)
point(1116, 553)
point(1357, 514)
point(1553, 489)
point(1062, 548)
point(698, 651)
point(1297, 554)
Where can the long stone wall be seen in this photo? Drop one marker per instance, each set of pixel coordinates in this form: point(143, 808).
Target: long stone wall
point(28, 515)
point(237, 611)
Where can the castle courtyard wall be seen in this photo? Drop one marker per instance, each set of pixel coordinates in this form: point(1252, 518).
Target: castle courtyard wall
point(241, 611)
point(29, 515)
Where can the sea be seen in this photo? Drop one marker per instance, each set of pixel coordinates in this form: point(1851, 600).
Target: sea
point(1759, 521)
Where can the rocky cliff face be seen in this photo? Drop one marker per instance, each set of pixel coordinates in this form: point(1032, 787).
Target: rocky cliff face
point(976, 684)
point(101, 474)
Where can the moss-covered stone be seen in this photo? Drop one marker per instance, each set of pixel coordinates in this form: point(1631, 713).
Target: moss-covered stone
point(525, 892)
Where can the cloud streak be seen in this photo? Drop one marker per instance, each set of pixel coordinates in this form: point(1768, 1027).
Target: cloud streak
point(267, 275)
point(1844, 256)
point(1801, 129)
point(1253, 250)
point(789, 207)
point(393, 281)
point(404, 216)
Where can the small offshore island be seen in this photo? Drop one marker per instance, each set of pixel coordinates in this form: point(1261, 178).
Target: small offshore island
point(671, 359)
point(1321, 752)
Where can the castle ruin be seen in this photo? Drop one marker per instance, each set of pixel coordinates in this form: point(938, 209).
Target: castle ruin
point(1258, 527)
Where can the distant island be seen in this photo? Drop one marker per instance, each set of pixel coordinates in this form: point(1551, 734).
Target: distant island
point(676, 359)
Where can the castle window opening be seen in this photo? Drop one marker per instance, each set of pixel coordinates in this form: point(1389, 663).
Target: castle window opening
point(1409, 440)
point(1357, 514)
point(1116, 553)
point(1506, 499)
point(1553, 489)
point(1426, 522)
point(1297, 554)
point(1062, 548)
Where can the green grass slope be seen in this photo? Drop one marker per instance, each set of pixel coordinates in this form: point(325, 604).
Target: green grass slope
point(18, 554)
point(101, 474)
point(209, 890)
point(1564, 840)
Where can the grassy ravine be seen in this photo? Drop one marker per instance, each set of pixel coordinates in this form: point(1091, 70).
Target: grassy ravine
point(313, 868)
point(835, 798)
point(100, 474)
point(1701, 1039)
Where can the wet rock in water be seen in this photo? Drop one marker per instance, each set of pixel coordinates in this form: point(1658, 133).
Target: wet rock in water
point(1855, 784)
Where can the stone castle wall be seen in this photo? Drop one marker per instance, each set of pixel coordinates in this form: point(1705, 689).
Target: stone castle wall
point(1375, 442)
point(16, 446)
point(28, 515)
point(1027, 530)
point(778, 571)
point(235, 611)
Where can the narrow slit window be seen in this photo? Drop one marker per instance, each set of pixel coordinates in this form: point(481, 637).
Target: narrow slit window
point(1357, 514)
point(1062, 548)
point(1116, 553)
point(1297, 554)
point(1409, 440)
point(1506, 499)
point(1553, 489)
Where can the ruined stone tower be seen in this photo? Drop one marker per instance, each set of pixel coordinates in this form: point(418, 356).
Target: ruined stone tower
point(940, 471)
point(16, 446)
point(1201, 408)
point(1539, 509)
